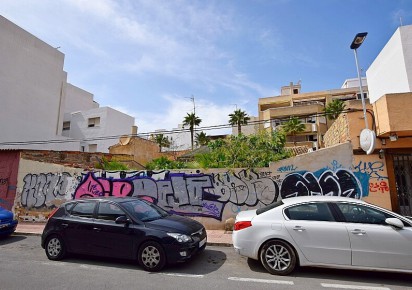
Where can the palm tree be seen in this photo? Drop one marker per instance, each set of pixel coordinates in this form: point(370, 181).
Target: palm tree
point(191, 120)
point(334, 109)
point(162, 141)
point(292, 127)
point(202, 139)
point(238, 118)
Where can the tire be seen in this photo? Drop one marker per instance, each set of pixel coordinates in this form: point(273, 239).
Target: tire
point(55, 248)
point(278, 257)
point(151, 256)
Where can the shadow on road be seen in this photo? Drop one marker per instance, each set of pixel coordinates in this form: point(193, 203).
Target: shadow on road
point(10, 239)
point(385, 278)
point(203, 263)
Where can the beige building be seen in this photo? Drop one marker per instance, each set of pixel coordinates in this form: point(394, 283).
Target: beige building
point(308, 107)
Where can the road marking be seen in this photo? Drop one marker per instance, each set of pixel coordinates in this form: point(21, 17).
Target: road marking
point(182, 275)
point(261, 281)
point(342, 286)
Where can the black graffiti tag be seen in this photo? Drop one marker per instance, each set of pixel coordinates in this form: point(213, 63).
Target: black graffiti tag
point(340, 183)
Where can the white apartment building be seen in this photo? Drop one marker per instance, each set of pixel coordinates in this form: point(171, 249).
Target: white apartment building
point(36, 100)
point(391, 71)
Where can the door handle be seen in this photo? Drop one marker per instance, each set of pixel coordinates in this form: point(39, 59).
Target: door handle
point(64, 225)
point(299, 229)
point(97, 229)
point(358, 232)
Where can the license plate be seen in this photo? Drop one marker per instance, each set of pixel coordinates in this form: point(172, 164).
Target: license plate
point(202, 242)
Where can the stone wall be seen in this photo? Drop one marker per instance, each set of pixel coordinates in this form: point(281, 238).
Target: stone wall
point(338, 133)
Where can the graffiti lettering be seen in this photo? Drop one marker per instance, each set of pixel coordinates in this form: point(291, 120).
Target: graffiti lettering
point(378, 186)
point(42, 189)
point(287, 168)
point(373, 169)
point(340, 183)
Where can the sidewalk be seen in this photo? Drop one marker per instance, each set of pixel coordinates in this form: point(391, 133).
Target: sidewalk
point(214, 237)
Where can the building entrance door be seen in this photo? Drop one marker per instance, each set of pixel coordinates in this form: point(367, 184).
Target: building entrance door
point(402, 164)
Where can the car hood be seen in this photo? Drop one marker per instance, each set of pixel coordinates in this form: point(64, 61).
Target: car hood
point(246, 215)
point(5, 214)
point(175, 224)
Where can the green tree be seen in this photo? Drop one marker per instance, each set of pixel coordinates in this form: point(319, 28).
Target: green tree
point(110, 164)
point(238, 118)
point(245, 151)
point(334, 109)
point(292, 127)
point(164, 163)
point(202, 139)
point(191, 120)
point(162, 141)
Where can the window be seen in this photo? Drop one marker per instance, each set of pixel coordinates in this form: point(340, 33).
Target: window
point(310, 211)
point(83, 209)
point(66, 126)
point(355, 213)
point(358, 96)
point(295, 91)
point(108, 211)
point(94, 122)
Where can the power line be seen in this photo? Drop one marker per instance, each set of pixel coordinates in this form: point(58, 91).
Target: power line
point(147, 134)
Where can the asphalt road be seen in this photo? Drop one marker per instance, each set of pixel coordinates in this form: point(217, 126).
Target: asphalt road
point(24, 265)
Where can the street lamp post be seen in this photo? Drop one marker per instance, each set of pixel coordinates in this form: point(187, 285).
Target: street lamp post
point(367, 137)
point(356, 43)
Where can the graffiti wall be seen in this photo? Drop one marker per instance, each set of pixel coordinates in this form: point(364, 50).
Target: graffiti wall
point(211, 196)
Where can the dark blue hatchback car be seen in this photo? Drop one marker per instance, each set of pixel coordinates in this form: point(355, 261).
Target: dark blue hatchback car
point(7, 222)
point(128, 228)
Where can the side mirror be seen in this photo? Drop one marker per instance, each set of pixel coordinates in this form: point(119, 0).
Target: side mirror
point(394, 222)
point(122, 220)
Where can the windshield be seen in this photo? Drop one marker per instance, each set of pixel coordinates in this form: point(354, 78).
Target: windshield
point(144, 210)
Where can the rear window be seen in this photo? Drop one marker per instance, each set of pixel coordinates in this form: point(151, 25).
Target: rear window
point(269, 207)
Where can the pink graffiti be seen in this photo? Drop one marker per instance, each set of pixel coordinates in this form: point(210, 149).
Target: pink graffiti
point(94, 187)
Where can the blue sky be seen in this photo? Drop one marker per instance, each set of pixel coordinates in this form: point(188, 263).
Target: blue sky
point(147, 58)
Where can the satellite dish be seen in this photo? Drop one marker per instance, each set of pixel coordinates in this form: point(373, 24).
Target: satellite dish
point(124, 140)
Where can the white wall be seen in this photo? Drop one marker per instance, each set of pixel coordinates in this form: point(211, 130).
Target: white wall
point(391, 71)
point(112, 124)
point(78, 99)
point(32, 83)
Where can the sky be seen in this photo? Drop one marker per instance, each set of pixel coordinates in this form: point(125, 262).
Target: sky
point(158, 60)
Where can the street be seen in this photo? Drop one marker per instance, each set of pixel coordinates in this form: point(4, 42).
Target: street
point(24, 265)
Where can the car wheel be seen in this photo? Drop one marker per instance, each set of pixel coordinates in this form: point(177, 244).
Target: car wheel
point(55, 249)
point(152, 256)
point(278, 257)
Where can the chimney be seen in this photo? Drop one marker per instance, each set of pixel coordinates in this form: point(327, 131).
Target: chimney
point(134, 130)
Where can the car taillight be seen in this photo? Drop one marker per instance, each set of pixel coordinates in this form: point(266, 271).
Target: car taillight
point(53, 212)
point(242, 225)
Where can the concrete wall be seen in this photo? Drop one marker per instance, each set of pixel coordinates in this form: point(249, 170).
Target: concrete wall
point(78, 99)
point(210, 196)
point(9, 163)
point(32, 83)
point(391, 71)
point(112, 124)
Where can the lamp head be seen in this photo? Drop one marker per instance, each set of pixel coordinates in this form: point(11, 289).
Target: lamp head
point(358, 40)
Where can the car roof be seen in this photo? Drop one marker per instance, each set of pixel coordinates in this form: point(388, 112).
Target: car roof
point(324, 198)
point(118, 199)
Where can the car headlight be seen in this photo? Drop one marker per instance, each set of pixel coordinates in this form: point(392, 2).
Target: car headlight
point(180, 237)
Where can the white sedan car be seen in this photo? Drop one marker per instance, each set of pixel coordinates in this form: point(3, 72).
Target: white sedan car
point(324, 231)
